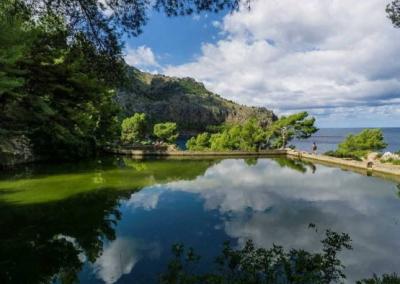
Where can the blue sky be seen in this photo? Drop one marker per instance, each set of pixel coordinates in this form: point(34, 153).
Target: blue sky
point(177, 40)
point(325, 57)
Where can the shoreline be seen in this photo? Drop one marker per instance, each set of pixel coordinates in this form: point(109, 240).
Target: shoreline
point(374, 168)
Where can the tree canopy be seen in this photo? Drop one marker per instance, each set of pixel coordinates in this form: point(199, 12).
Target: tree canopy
point(393, 11)
point(359, 145)
point(134, 128)
point(286, 128)
point(49, 90)
point(103, 22)
point(251, 136)
point(167, 131)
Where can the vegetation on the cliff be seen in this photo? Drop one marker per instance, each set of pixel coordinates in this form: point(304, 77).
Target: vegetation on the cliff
point(184, 101)
point(253, 136)
point(357, 146)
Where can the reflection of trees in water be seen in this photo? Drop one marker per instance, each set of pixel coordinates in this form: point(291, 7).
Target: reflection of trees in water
point(259, 265)
point(398, 189)
point(251, 161)
point(294, 164)
point(41, 241)
point(53, 238)
point(277, 265)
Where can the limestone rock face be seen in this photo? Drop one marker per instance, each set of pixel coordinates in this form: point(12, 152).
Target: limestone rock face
point(15, 150)
point(184, 101)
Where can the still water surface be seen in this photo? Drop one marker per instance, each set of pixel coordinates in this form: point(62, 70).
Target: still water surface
point(114, 220)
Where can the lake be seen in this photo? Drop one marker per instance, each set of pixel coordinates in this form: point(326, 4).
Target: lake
point(114, 220)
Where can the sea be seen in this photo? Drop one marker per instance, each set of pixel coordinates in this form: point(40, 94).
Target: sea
point(327, 139)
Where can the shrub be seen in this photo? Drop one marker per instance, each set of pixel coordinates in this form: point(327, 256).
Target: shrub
point(251, 136)
point(392, 161)
point(199, 143)
point(134, 128)
point(342, 155)
point(359, 145)
point(167, 131)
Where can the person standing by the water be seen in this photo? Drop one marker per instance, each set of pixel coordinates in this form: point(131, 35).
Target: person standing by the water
point(314, 148)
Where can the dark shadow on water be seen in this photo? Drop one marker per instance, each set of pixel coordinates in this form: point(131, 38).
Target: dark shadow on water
point(38, 242)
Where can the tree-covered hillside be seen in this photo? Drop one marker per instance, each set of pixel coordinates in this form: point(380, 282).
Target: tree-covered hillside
point(184, 101)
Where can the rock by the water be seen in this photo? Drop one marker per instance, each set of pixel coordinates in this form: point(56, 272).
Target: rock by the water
point(14, 150)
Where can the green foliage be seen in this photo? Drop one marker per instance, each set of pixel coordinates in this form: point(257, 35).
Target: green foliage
point(286, 128)
point(337, 154)
point(199, 143)
point(359, 145)
point(250, 136)
point(49, 90)
point(393, 12)
point(392, 161)
point(385, 279)
point(104, 31)
point(166, 131)
point(246, 137)
point(133, 129)
point(254, 265)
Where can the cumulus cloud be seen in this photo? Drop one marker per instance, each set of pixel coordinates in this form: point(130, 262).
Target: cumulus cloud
point(271, 203)
point(141, 57)
point(292, 55)
point(120, 256)
point(147, 199)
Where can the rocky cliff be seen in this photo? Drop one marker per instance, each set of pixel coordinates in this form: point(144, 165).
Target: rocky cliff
point(184, 101)
point(16, 149)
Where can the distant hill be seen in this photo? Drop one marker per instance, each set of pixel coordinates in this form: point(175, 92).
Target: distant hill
point(184, 101)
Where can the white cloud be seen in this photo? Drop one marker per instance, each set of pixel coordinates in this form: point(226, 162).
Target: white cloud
point(270, 203)
point(315, 55)
point(147, 199)
point(141, 57)
point(120, 256)
point(107, 11)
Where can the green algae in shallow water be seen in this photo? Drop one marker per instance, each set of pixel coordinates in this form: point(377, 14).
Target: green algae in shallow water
point(124, 174)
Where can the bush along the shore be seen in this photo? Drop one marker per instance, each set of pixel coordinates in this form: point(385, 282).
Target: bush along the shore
point(133, 129)
point(137, 130)
point(166, 132)
point(252, 136)
point(358, 146)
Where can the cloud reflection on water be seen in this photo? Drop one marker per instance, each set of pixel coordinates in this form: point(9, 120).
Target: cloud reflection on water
point(120, 256)
point(273, 204)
